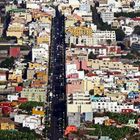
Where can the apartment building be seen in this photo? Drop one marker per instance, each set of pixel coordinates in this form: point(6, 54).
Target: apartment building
point(40, 54)
point(111, 65)
point(107, 16)
point(79, 102)
point(34, 94)
point(101, 37)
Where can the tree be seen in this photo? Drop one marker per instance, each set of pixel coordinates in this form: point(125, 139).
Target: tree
point(28, 106)
point(108, 41)
point(91, 92)
point(15, 2)
point(136, 30)
point(91, 55)
point(8, 63)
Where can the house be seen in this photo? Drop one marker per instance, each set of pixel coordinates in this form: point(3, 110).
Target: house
point(6, 124)
point(32, 122)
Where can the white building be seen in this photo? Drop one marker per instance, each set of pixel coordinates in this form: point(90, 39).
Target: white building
point(40, 54)
point(100, 37)
point(127, 30)
point(103, 105)
point(19, 118)
point(32, 122)
point(79, 102)
point(107, 16)
point(71, 70)
point(82, 40)
point(12, 97)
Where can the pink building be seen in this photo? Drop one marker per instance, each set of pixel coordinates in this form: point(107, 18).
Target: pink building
point(74, 86)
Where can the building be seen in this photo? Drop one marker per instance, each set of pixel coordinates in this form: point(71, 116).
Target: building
point(101, 37)
point(111, 65)
point(19, 118)
point(31, 122)
point(14, 52)
point(78, 102)
point(40, 54)
point(107, 16)
point(38, 111)
point(6, 124)
point(34, 94)
point(74, 119)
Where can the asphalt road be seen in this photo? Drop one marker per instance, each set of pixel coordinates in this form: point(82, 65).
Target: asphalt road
point(57, 82)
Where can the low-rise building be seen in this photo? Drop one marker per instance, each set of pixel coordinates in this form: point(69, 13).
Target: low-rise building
point(6, 124)
point(32, 122)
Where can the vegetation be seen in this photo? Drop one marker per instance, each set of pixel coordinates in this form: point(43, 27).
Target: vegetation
point(16, 135)
point(29, 105)
point(8, 39)
point(128, 56)
point(136, 63)
point(92, 55)
point(129, 14)
point(121, 118)
point(91, 92)
point(7, 63)
point(111, 131)
point(136, 30)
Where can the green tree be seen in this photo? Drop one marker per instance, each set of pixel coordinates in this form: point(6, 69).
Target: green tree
point(92, 55)
point(8, 63)
point(108, 41)
point(29, 105)
point(91, 92)
point(136, 30)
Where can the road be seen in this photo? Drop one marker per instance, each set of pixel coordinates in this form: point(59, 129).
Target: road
point(56, 96)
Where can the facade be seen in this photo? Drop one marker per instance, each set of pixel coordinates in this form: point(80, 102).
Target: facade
point(6, 124)
point(40, 54)
point(38, 111)
point(78, 102)
point(34, 94)
point(107, 16)
point(31, 122)
point(101, 37)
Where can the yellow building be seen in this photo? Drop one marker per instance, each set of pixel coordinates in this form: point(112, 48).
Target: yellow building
point(111, 65)
point(15, 76)
point(36, 65)
point(42, 76)
point(6, 124)
point(38, 111)
point(87, 85)
point(43, 39)
point(80, 31)
point(15, 29)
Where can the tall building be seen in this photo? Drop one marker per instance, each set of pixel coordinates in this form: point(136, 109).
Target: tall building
point(56, 119)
